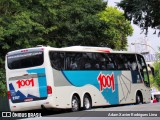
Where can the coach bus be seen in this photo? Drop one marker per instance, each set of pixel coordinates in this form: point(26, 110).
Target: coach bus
point(75, 78)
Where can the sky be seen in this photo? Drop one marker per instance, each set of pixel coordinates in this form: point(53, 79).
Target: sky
point(152, 41)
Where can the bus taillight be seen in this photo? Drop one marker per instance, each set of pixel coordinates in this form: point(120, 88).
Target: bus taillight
point(49, 89)
point(9, 94)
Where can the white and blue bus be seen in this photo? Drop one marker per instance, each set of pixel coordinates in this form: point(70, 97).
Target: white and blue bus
point(75, 77)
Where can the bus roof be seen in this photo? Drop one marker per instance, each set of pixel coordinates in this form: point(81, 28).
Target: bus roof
point(72, 48)
point(87, 49)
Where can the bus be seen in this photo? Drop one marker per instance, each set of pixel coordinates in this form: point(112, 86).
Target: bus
point(76, 77)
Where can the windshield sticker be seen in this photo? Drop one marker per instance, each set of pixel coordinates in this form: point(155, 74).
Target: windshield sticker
point(24, 55)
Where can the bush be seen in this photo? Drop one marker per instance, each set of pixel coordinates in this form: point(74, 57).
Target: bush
point(3, 87)
point(157, 75)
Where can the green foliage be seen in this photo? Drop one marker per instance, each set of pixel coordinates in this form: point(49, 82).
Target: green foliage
point(3, 89)
point(118, 28)
point(144, 13)
point(78, 23)
point(157, 73)
point(24, 23)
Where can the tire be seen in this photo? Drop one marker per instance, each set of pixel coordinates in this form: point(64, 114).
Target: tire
point(75, 104)
point(87, 104)
point(138, 99)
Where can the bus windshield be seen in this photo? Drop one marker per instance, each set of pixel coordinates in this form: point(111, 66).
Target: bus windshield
point(25, 60)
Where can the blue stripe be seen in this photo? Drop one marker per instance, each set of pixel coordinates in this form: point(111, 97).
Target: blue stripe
point(82, 78)
point(42, 82)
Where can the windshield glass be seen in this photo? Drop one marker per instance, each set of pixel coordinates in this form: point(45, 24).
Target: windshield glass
point(25, 60)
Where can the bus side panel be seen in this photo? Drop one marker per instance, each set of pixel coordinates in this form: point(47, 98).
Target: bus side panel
point(106, 82)
point(125, 88)
point(98, 84)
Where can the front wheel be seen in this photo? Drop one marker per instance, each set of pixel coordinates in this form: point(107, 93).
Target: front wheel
point(75, 104)
point(87, 102)
point(139, 99)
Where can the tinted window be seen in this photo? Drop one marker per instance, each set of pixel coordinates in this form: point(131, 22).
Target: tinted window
point(105, 61)
point(57, 60)
point(81, 61)
point(119, 61)
point(75, 61)
point(25, 60)
point(130, 62)
point(93, 61)
point(123, 61)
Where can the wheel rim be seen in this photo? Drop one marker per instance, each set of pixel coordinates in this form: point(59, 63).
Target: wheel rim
point(138, 99)
point(87, 103)
point(75, 105)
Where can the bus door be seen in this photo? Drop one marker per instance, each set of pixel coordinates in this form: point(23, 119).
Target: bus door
point(142, 68)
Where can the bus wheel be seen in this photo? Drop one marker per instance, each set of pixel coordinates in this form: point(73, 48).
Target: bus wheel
point(138, 99)
point(87, 104)
point(75, 104)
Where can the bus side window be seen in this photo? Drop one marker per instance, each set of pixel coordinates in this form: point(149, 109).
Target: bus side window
point(133, 67)
point(78, 61)
point(72, 64)
point(101, 61)
point(57, 60)
point(119, 61)
point(131, 62)
point(96, 61)
point(87, 61)
point(71, 60)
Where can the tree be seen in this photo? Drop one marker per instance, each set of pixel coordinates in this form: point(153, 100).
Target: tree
point(144, 13)
point(156, 78)
point(56, 23)
point(78, 23)
point(118, 28)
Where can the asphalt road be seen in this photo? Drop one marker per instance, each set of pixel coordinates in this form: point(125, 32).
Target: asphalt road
point(141, 112)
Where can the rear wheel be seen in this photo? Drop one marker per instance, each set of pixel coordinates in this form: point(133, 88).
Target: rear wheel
point(75, 104)
point(139, 99)
point(87, 102)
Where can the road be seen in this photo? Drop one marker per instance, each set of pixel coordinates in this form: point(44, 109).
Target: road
point(133, 112)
